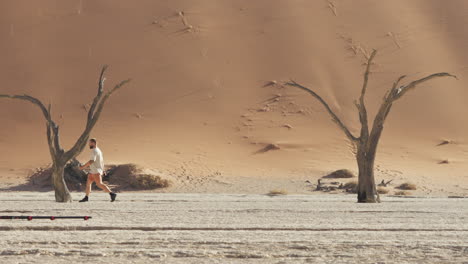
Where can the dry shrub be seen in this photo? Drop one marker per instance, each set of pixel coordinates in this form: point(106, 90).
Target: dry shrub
point(133, 177)
point(407, 186)
point(147, 181)
point(120, 177)
point(351, 186)
point(340, 174)
point(41, 178)
point(403, 193)
point(277, 192)
point(382, 190)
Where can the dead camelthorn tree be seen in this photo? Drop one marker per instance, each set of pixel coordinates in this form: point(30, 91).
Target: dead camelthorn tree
point(59, 156)
point(366, 143)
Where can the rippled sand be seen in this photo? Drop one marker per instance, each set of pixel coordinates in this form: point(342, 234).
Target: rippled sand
point(204, 228)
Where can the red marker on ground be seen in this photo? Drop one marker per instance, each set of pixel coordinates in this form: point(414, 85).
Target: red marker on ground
point(30, 218)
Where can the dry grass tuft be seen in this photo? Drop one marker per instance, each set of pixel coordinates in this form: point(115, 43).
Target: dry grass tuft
point(407, 186)
point(340, 174)
point(382, 190)
point(402, 193)
point(277, 192)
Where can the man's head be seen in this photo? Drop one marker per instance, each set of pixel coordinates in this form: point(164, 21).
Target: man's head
point(92, 143)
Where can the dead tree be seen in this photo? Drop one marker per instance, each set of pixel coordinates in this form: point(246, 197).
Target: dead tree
point(366, 143)
point(59, 156)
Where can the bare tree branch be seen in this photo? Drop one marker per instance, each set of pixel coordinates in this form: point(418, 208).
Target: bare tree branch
point(335, 118)
point(104, 99)
point(399, 92)
point(55, 134)
point(91, 122)
point(97, 98)
point(50, 141)
point(366, 76)
point(52, 128)
point(361, 105)
point(32, 100)
point(397, 82)
point(392, 95)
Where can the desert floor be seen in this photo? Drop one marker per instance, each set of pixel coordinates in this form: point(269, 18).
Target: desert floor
point(219, 228)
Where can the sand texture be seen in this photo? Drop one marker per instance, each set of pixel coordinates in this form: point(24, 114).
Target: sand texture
point(220, 228)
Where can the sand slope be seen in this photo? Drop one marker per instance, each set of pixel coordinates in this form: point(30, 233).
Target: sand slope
point(198, 108)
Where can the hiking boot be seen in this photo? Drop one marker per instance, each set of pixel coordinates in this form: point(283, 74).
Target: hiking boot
point(113, 196)
point(85, 199)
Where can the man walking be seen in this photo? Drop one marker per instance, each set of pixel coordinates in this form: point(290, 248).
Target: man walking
point(96, 169)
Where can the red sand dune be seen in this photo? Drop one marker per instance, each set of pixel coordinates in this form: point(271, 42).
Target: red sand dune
point(198, 109)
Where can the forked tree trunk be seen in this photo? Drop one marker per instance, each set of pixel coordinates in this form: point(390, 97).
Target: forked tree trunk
point(62, 194)
point(366, 153)
point(60, 157)
point(366, 191)
point(367, 141)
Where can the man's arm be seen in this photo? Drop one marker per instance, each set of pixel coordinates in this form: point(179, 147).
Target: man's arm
point(87, 165)
point(92, 159)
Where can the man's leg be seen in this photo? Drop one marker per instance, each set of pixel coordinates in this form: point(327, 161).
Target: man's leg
point(100, 184)
point(89, 184)
point(98, 180)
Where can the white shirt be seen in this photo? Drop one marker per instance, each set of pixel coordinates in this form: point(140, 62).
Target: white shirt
point(98, 165)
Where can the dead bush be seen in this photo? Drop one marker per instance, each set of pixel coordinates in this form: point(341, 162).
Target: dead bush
point(277, 192)
point(340, 174)
point(351, 186)
point(146, 181)
point(133, 177)
point(41, 178)
point(402, 193)
point(120, 177)
point(407, 186)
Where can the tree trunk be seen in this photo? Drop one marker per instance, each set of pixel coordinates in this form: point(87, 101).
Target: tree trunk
point(62, 194)
point(366, 190)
